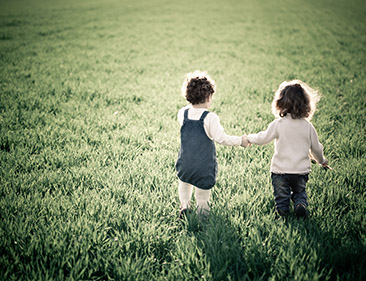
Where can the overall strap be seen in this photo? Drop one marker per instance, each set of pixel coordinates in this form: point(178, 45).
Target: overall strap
point(204, 114)
point(186, 114)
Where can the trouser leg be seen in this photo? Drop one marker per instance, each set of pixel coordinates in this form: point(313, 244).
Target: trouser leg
point(298, 184)
point(282, 193)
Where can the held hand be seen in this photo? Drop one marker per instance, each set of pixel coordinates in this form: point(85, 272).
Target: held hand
point(244, 141)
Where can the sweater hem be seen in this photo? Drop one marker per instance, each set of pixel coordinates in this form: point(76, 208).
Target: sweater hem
point(291, 172)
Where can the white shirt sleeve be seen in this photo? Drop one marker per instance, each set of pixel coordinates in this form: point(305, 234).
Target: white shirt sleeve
point(266, 136)
point(180, 114)
point(215, 131)
point(316, 147)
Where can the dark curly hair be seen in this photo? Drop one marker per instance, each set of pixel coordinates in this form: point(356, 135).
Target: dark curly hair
point(295, 101)
point(197, 87)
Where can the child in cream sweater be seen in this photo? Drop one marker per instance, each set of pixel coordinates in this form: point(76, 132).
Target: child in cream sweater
point(296, 142)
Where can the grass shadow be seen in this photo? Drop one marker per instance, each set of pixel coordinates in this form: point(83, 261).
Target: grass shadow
point(222, 245)
point(339, 257)
point(280, 249)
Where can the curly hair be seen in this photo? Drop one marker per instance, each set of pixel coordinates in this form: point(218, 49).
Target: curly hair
point(197, 87)
point(295, 97)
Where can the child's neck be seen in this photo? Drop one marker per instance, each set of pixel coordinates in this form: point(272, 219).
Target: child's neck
point(201, 105)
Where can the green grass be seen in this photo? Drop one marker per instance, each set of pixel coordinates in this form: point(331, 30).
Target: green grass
point(89, 92)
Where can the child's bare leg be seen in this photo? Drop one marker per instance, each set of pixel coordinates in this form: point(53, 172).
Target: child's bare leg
point(203, 200)
point(185, 194)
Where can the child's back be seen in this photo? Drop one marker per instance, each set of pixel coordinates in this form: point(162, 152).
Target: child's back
point(293, 139)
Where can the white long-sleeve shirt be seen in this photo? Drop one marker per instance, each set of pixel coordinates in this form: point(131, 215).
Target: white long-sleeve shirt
point(293, 140)
point(211, 124)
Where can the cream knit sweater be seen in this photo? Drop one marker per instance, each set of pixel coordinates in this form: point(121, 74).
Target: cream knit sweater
point(293, 140)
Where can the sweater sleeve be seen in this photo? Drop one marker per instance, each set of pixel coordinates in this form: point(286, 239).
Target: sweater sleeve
point(216, 132)
point(316, 148)
point(266, 136)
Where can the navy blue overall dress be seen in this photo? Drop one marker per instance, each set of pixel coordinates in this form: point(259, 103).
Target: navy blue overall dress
point(196, 164)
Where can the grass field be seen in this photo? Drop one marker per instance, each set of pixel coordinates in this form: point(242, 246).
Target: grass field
point(89, 92)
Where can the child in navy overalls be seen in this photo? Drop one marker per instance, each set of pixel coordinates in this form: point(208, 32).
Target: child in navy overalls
point(200, 129)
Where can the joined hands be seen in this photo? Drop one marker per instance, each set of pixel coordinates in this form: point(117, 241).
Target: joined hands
point(245, 142)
